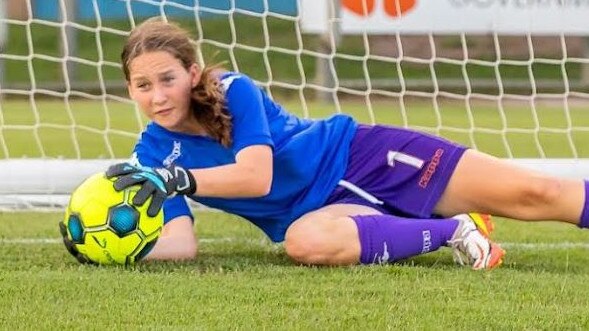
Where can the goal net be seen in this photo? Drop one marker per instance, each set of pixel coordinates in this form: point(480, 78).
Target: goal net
point(507, 78)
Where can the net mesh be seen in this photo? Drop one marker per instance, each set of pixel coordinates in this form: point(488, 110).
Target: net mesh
point(63, 95)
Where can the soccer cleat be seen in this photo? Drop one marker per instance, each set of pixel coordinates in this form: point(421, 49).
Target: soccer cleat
point(471, 243)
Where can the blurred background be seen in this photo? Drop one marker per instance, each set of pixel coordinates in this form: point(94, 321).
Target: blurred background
point(85, 36)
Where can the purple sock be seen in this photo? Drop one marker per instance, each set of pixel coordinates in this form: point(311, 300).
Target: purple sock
point(584, 222)
point(388, 238)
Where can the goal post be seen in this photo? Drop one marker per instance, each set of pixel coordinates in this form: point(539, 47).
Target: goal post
point(504, 80)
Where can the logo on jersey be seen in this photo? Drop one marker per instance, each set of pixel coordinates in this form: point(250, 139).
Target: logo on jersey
point(174, 155)
point(431, 168)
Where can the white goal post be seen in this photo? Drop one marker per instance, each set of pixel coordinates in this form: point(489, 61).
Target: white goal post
point(45, 184)
point(510, 83)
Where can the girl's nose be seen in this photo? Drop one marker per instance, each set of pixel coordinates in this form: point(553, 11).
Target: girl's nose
point(159, 96)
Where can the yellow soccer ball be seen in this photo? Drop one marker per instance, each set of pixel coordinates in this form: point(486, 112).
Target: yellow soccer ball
point(105, 227)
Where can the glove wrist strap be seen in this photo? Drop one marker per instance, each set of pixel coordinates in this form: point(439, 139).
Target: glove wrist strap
point(185, 181)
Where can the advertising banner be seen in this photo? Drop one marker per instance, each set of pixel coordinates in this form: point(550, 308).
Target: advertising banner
point(541, 17)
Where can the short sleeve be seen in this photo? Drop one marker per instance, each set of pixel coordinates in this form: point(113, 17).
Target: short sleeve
point(246, 106)
point(176, 206)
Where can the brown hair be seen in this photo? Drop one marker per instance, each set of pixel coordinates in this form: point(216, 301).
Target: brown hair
point(208, 99)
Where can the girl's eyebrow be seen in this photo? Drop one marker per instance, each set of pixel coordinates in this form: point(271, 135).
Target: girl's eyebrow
point(140, 76)
point(166, 72)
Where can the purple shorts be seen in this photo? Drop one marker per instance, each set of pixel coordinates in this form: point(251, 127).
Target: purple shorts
point(397, 171)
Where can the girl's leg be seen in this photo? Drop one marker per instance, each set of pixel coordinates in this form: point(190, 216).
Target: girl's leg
point(330, 236)
point(489, 185)
point(388, 238)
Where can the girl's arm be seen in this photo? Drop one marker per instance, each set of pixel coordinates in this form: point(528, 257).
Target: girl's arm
point(249, 177)
point(177, 241)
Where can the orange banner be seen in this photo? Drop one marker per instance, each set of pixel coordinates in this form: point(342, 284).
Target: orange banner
point(392, 8)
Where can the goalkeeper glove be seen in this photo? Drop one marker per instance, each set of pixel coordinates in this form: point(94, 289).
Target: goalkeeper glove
point(157, 183)
point(71, 247)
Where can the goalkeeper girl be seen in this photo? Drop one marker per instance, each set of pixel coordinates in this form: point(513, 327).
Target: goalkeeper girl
point(335, 191)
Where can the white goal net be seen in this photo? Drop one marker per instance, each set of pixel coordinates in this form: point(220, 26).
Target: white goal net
point(509, 78)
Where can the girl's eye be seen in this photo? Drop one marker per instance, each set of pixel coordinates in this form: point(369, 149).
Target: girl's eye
point(142, 85)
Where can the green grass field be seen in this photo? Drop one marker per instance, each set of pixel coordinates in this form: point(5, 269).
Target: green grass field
point(242, 281)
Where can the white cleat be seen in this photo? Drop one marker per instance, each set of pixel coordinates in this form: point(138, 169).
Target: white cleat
point(471, 243)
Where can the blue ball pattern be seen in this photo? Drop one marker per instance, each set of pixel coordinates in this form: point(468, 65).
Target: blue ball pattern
point(123, 219)
point(74, 226)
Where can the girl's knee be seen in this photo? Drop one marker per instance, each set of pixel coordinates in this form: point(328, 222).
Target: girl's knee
point(312, 241)
point(302, 241)
point(541, 191)
point(537, 198)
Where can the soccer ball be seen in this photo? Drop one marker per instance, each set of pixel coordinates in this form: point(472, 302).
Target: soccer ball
point(105, 227)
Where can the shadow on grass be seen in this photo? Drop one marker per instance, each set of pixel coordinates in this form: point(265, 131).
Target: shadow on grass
point(562, 261)
point(231, 257)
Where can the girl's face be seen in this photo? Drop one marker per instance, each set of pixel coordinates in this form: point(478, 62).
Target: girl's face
point(161, 86)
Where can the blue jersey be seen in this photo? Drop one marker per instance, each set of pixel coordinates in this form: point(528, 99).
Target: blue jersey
point(309, 156)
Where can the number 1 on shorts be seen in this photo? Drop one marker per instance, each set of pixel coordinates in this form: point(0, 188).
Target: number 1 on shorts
point(394, 156)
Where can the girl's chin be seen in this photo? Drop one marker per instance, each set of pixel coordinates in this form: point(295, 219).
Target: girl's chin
point(166, 124)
